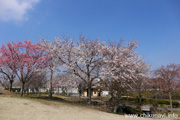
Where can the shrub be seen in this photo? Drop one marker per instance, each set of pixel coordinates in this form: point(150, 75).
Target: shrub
point(16, 89)
point(175, 104)
point(128, 110)
point(161, 101)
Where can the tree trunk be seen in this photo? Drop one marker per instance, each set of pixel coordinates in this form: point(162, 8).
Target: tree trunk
point(38, 91)
point(63, 91)
point(89, 93)
point(22, 88)
point(50, 84)
point(116, 106)
point(117, 101)
point(80, 90)
point(27, 91)
point(10, 85)
point(140, 100)
point(170, 100)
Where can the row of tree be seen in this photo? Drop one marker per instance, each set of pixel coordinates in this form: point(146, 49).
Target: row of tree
point(67, 62)
point(86, 59)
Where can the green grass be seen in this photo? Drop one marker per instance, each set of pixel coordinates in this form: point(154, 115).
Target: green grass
point(57, 98)
point(81, 102)
point(105, 99)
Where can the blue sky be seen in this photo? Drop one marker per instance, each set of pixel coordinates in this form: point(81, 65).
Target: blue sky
point(154, 23)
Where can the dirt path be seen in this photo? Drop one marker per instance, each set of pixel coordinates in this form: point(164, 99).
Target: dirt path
point(12, 108)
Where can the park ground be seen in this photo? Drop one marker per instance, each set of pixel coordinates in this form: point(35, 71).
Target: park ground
point(13, 107)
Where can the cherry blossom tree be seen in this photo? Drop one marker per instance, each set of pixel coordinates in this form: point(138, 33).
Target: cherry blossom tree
point(156, 84)
point(89, 60)
point(52, 65)
point(38, 81)
point(170, 74)
point(66, 80)
point(122, 68)
point(4, 81)
point(10, 76)
point(86, 57)
point(141, 79)
point(83, 57)
point(23, 58)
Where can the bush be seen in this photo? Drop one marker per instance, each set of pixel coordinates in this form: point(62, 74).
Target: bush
point(16, 89)
point(161, 102)
point(175, 104)
point(166, 102)
point(143, 100)
point(128, 110)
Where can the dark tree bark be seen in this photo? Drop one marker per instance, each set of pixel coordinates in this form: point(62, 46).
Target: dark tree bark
point(10, 77)
point(170, 100)
point(22, 88)
point(89, 93)
point(50, 83)
point(10, 85)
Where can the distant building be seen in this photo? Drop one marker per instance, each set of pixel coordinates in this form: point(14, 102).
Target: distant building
point(96, 91)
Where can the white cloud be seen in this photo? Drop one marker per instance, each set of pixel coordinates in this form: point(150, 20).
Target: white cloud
point(15, 9)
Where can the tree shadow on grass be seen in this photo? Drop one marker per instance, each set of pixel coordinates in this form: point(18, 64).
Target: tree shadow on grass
point(57, 99)
point(47, 98)
point(74, 101)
